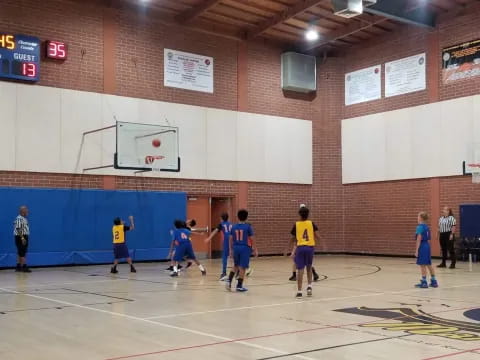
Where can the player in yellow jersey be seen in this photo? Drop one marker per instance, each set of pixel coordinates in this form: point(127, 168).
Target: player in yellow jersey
point(304, 234)
point(120, 249)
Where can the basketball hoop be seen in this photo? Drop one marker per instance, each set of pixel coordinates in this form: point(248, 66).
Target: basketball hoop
point(475, 170)
point(472, 164)
point(476, 178)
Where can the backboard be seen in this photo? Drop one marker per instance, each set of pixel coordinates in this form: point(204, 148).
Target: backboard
point(147, 147)
point(471, 166)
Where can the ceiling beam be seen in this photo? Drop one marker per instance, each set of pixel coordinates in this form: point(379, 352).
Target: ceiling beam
point(400, 11)
point(196, 11)
point(298, 8)
point(343, 32)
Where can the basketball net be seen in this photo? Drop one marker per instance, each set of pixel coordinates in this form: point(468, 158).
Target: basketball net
point(476, 178)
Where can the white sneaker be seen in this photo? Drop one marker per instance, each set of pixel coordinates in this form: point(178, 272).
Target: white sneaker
point(309, 291)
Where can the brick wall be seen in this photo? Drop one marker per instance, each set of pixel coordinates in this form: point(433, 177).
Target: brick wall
point(375, 217)
point(380, 217)
point(80, 26)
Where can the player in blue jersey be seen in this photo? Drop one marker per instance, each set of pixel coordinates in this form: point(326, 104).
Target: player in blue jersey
point(423, 252)
point(225, 227)
point(183, 247)
point(242, 243)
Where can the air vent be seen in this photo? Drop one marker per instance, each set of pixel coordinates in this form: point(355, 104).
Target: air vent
point(299, 72)
point(347, 8)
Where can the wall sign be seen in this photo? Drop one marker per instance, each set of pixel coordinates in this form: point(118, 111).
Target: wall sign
point(363, 85)
point(188, 71)
point(461, 61)
point(405, 75)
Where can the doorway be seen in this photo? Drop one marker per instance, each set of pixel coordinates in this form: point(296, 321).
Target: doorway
point(206, 211)
point(219, 206)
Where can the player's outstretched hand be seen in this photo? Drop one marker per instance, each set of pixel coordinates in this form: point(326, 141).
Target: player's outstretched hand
point(130, 217)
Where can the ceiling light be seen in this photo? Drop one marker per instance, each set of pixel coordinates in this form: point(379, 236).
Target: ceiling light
point(311, 35)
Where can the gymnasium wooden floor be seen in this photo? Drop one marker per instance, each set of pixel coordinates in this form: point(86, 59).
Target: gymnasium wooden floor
point(363, 308)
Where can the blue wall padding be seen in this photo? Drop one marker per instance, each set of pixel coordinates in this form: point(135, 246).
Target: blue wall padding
point(470, 220)
point(75, 226)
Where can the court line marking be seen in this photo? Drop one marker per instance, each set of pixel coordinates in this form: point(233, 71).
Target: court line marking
point(262, 306)
point(453, 354)
point(294, 302)
point(67, 283)
point(322, 327)
point(131, 317)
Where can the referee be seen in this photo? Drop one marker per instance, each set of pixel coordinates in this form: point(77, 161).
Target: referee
point(447, 225)
point(21, 231)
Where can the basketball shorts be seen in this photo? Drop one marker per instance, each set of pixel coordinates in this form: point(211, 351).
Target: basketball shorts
point(184, 249)
point(120, 251)
point(304, 257)
point(241, 256)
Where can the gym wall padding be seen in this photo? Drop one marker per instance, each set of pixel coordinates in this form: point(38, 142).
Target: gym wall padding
point(75, 226)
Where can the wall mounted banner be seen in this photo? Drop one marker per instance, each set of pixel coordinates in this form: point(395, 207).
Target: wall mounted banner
point(461, 61)
point(405, 75)
point(188, 71)
point(363, 85)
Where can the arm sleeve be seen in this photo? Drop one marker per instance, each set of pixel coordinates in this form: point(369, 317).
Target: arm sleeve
point(418, 231)
point(250, 231)
point(294, 230)
point(315, 227)
point(126, 228)
point(219, 227)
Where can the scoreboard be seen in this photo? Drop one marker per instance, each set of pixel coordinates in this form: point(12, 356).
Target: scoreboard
point(19, 57)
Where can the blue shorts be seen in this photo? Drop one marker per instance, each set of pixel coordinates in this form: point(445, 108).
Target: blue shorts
point(241, 256)
point(424, 254)
point(304, 257)
point(120, 251)
point(184, 249)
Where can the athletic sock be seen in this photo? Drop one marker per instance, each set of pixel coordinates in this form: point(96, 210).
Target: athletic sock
point(175, 268)
point(294, 273)
point(201, 267)
point(424, 278)
point(433, 278)
point(231, 276)
point(240, 283)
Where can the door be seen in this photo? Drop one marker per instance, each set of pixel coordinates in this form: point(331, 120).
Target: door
point(219, 206)
point(198, 208)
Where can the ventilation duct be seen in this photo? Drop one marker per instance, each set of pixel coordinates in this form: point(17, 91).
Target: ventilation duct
point(299, 72)
point(347, 8)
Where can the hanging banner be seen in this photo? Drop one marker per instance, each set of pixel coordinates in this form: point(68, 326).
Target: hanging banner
point(405, 75)
point(188, 71)
point(461, 61)
point(363, 85)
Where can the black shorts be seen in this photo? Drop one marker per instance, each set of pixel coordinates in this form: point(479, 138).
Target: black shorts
point(21, 246)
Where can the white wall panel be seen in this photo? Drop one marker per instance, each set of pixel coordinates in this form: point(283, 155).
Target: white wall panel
point(38, 129)
point(43, 131)
point(80, 112)
point(8, 106)
point(221, 144)
point(399, 146)
point(424, 141)
point(251, 150)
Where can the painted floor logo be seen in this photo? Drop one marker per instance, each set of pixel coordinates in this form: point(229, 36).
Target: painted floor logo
point(418, 322)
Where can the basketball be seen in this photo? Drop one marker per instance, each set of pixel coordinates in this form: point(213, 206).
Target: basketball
point(156, 143)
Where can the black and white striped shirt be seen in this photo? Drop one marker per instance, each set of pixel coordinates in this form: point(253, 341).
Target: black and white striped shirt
point(20, 226)
point(446, 223)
